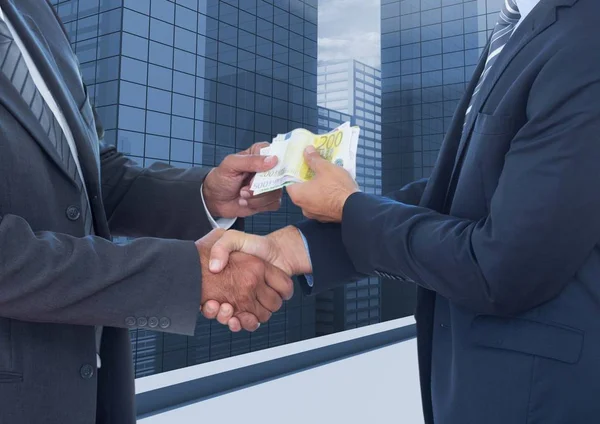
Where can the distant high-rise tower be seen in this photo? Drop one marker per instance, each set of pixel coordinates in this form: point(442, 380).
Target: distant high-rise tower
point(429, 49)
point(188, 82)
point(351, 91)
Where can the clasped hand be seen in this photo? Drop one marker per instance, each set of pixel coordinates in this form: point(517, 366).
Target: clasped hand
point(276, 257)
point(283, 250)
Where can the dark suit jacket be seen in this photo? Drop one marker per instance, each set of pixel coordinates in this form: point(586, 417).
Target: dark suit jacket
point(55, 285)
point(503, 238)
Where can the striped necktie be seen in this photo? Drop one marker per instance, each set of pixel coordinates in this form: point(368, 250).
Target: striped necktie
point(507, 21)
point(13, 66)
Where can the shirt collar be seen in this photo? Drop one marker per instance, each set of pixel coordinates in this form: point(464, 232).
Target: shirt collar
point(526, 6)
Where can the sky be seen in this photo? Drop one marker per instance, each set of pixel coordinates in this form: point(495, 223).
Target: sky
point(350, 29)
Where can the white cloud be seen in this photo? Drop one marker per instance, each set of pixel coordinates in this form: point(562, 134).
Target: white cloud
point(350, 29)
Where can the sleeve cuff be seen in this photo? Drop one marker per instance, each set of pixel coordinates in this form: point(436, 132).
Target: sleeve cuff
point(225, 223)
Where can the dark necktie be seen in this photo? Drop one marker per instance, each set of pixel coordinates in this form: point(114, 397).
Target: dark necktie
point(507, 21)
point(15, 69)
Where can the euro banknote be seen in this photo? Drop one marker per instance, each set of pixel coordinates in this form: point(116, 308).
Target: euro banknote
point(337, 146)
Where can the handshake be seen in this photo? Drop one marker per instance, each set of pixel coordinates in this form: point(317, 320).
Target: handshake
point(245, 277)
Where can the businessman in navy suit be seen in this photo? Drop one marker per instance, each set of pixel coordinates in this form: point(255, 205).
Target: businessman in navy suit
point(502, 239)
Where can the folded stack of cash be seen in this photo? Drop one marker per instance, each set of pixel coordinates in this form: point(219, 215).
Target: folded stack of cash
point(337, 146)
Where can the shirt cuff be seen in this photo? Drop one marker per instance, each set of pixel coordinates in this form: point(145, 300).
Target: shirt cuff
point(225, 223)
point(309, 277)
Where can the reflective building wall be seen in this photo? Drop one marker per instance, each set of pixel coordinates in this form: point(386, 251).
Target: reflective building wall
point(188, 82)
point(429, 49)
point(349, 90)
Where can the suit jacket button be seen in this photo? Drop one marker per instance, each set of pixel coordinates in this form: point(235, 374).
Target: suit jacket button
point(165, 322)
point(73, 213)
point(153, 322)
point(142, 322)
point(130, 321)
point(86, 371)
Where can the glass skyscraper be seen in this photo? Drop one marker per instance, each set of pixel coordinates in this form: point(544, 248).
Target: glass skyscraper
point(188, 82)
point(429, 49)
point(351, 91)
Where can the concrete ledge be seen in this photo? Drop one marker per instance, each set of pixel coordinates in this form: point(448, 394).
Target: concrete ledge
point(162, 392)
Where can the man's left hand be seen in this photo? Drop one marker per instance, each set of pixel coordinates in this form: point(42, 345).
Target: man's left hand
point(226, 191)
point(323, 197)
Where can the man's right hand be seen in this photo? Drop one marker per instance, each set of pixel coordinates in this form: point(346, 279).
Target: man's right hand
point(251, 288)
point(284, 249)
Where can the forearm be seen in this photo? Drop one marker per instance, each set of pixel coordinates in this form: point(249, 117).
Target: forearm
point(56, 278)
point(159, 201)
point(332, 266)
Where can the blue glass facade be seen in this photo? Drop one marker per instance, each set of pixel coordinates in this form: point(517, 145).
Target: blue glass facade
point(188, 82)
point(349, 90)
point(429, 49)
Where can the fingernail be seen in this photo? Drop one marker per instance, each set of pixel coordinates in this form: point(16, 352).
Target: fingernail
point(226, 310)
point(214, 265)
point(310, 149)
point(243, 202)
point(245, 194)
point(258, 326)
point(208, 308)
point(270, 160)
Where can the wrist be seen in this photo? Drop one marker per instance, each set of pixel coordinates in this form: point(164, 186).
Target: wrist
point(203, 247)
point(290, 248)
point(342, 202)
point(208, 195)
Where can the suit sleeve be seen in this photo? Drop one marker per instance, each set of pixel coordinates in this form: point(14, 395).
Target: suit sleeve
point(56, 278)
point(159, 201)
point(331, 263)
point(543, 221)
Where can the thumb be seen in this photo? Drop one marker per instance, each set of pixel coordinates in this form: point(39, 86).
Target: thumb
point(249, 163)
point(237, 241)
point(314, 159)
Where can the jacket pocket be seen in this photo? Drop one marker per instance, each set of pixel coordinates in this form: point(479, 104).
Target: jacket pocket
point(10, 377)
point(547, 340)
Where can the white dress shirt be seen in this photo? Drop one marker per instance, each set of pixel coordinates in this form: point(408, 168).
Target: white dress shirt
point(525, 7)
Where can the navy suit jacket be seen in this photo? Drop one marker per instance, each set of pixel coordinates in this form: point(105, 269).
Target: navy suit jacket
point(502, 239)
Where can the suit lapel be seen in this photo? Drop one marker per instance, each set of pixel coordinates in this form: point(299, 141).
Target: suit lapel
point(540, 18)
point(14, 103)
point(49, 70)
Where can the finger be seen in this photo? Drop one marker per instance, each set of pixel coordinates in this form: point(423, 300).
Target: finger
point(269, 298)
point(313, 159)
point(210, 309)
point(248, 321)
point(233, 241)
point(245, 192)
point(262, 313)
point(257, 147)
point(225, 313)
point(254, 307)
point(279, 281)
point(297, 192)
point(249, 163)
point(234, 325)
point(272, 202)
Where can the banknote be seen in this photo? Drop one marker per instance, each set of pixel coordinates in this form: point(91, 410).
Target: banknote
point(337, 146)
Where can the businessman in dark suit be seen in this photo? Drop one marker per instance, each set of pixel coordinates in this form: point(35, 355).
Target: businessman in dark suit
point(67, 293)
point(503, 238)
